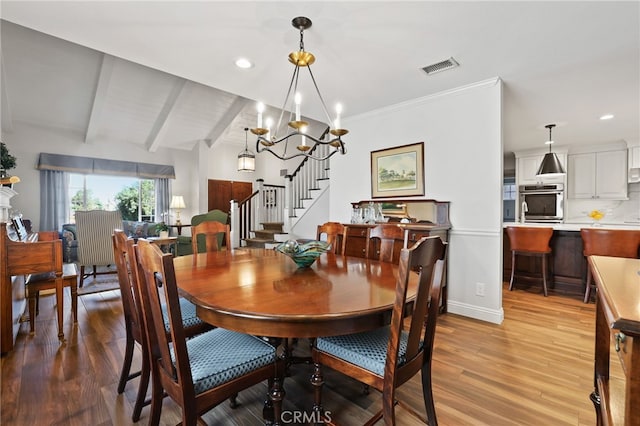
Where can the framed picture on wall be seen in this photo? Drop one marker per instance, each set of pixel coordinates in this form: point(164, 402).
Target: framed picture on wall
point(398, 171)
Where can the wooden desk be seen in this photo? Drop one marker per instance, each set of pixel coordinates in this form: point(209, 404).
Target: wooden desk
point(617, 400)
point(262, 292)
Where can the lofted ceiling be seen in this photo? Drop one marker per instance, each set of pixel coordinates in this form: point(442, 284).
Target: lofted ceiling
point(162, 74)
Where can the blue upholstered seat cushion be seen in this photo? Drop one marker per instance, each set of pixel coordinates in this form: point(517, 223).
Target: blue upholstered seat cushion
point(367, 349)
point(219, 356)
point(188, 310)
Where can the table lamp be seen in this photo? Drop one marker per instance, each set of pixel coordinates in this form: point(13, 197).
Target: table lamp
point(177, 203)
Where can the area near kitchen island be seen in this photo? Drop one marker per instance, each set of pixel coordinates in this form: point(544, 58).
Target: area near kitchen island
point(567, 265)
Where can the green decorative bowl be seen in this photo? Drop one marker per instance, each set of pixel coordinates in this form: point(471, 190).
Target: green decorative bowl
point(303, 254)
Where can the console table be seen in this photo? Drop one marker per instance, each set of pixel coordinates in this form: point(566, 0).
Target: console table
point(616, 399)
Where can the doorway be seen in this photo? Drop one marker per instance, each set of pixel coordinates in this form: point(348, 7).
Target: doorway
point(221, 192)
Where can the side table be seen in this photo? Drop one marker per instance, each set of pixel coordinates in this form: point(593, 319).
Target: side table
point(179, 227)
point(166, 242)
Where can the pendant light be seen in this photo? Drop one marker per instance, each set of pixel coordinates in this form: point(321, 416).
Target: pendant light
point(550, 165)
point(246, 159)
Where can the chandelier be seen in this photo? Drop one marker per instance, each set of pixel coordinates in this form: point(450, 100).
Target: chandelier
point(297, 142)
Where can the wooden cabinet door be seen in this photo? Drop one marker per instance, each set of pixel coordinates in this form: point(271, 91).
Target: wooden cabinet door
point(582, 172)
point(611, 175)
point(221, 192)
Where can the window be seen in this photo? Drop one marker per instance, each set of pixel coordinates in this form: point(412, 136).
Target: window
point(508, 190)
point(134, 197)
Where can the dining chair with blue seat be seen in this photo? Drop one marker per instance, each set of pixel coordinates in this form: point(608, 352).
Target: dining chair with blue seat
point(387, 357)
point(201, 372)
point(133, 317)
point(332, 233)
point(209, 236)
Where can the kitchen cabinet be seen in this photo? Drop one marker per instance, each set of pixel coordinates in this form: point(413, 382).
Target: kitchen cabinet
point(598, 175)
point(527, 167)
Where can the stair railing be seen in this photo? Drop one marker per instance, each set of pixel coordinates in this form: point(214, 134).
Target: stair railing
point(305, 177)
point(266, 204)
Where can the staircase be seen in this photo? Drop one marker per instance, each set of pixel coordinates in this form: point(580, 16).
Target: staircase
point(269, 236)
point(277, 209)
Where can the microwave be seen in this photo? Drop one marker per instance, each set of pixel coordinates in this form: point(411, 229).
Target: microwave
point(542, 203)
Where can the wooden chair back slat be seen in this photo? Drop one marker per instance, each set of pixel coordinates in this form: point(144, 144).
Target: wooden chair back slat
point(334, 233)
point(610, 242)
point(386, 241)
point(530, 239)
point(211, 231)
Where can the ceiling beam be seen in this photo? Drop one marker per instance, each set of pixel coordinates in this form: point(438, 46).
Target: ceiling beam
point(99, 97)
point(234, 109)
point(160, 126)
point(5, 108)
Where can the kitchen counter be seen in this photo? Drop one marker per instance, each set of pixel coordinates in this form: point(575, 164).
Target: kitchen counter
point(576, 226)
point(567, 263)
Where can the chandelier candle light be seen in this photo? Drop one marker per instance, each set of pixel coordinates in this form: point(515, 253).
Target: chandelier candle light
point(177, 203)
point(298, 127)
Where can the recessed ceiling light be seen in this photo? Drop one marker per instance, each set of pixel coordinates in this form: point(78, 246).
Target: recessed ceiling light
point(243, 63)
point(606, 117)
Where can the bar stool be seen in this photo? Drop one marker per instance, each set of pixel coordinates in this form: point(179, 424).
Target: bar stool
point(608, 242)
point(530, 241)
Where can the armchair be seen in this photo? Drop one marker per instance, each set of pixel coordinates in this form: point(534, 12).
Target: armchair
point(95, 248)
point(184, 241)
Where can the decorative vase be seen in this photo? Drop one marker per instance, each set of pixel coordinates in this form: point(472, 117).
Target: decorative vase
point(164, 234)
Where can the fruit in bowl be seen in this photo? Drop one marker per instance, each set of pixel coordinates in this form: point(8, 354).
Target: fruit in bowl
point(596, 215)
point(303, 254)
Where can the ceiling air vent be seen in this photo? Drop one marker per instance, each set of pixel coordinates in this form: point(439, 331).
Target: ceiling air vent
point(440, 66)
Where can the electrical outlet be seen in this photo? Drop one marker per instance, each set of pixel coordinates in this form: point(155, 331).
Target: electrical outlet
point(480, 289)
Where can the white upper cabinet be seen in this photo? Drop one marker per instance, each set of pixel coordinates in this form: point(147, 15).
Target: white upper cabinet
point(601, 175)
point(527, 167)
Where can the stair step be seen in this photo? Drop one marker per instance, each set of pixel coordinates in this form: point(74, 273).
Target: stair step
point(277, 226)
point(267, 233)
point(257, 242)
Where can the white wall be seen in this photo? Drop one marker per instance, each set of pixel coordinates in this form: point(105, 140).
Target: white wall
point(461, 130)
point(27, 142)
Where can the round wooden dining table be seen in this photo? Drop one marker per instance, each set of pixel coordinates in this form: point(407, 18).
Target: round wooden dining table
point(263, 292)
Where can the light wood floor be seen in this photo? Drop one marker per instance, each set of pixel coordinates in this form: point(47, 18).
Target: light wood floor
point(534, 369)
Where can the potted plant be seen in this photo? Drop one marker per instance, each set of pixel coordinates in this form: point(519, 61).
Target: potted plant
point(162, 229)
point(7, 161)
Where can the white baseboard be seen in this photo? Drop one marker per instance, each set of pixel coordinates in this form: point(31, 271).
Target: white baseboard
point(476, 312)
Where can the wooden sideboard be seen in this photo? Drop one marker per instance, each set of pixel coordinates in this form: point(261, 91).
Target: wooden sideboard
point(424, 218)
point(616, 395)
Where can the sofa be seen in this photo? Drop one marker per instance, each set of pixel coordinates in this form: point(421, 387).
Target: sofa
point(184, 241)
point(131, 228)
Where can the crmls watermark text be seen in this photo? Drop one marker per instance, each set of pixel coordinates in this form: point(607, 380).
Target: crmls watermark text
point(304, 417)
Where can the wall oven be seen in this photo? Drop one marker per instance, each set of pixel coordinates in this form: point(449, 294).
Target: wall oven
point(542, 203)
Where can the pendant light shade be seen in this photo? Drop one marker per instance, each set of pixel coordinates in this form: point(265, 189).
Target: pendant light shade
point(550, 165)
point(246, 159)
